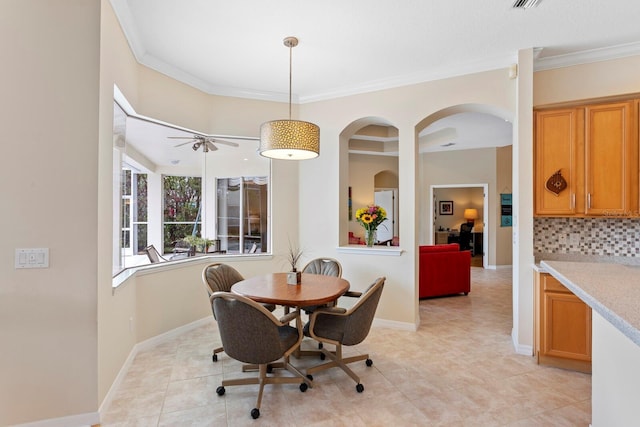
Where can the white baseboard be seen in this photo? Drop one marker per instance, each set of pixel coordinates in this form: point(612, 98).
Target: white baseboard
point(525, 350)
point(392, 324)
point(159, 339)
point(146, 345)
point(80, 420)
point(498, 267)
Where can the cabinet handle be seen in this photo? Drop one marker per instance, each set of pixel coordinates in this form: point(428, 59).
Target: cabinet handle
point(589, 200)
point(573, 201)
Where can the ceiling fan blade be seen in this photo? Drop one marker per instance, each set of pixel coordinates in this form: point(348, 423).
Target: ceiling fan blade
point(183, 137)
point(185, 143)
point(225, 142)
point(210, 147)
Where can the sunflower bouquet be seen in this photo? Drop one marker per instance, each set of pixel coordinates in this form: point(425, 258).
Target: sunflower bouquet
point(371, 217)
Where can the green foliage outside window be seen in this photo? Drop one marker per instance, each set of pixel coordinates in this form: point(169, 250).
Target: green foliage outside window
point(182, 198)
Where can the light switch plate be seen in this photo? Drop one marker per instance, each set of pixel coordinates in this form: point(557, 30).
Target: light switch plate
point(32, 258)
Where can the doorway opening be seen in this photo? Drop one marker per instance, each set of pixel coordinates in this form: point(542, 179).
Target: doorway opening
point(456, 207)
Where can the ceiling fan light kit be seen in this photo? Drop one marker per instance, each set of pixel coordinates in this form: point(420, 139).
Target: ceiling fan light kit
point(206, 142)
point(289, 139)
point(525, 4)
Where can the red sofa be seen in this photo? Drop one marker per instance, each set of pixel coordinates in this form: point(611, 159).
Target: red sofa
point(444, 270)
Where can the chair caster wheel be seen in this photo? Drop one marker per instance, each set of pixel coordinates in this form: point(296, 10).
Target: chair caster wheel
point(303, 387)
point(214, 358)
point(310, 377)
point(255, 413)
point(220, 390)
point(359, 388)
point(322, 356)
point(369, 362)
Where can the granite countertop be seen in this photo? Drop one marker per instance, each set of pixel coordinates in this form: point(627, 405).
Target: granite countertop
point(612, 290)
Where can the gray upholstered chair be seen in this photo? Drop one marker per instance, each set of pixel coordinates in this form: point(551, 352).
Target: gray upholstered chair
point(252, 334)
point(340, 327)
point(324, 266)
point(221, 277)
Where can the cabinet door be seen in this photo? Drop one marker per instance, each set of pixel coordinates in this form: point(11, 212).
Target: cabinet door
point(558, 147)
point(610, 159)
point(566, 327)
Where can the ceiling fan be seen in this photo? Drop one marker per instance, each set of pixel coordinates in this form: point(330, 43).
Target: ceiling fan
point(206, 142)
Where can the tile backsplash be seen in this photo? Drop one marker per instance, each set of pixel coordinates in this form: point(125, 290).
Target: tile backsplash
point(587, 236)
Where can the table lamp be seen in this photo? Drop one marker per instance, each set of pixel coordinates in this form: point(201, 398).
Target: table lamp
point(470, 215)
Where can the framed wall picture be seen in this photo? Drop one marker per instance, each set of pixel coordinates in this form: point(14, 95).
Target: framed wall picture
point(446, 207)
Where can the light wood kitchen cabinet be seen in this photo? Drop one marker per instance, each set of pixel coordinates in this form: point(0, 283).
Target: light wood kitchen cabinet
point(562, 326)
point(611, 159)
point(559, 148)
point(595, 150)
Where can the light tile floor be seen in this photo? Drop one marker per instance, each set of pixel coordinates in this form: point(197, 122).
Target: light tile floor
point(458, 369)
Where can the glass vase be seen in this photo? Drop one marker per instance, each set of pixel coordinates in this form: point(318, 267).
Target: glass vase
point(370, 237)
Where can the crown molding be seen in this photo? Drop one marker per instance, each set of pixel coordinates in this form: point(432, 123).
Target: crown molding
point(586, 56)
point(124, 16)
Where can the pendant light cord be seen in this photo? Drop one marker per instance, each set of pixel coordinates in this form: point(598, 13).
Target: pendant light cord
point(290, 78)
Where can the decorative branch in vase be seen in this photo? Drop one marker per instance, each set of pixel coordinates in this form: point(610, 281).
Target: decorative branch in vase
point(293, 256)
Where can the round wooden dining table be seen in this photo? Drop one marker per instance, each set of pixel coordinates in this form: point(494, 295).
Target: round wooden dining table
point(272, 288)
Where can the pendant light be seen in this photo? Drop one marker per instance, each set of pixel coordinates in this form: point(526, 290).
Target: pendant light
point(289, 139)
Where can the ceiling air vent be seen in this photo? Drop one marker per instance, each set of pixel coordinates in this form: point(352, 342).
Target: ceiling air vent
point(525, 4)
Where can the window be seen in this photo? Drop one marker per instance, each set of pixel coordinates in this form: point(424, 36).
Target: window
point(133, 212)
point(242, 206)
point(182, 209)
point(165, 189)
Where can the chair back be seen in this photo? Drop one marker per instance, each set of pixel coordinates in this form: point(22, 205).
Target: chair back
point(220, 277)
point(465, 236)
point(324, 266)
point(249, 332)
point(360, 317)
point(153, 254)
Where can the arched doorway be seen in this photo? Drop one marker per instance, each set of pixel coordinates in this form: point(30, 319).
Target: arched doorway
point(467, 146)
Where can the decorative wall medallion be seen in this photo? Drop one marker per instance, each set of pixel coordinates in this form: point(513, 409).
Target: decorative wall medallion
point(556, 183)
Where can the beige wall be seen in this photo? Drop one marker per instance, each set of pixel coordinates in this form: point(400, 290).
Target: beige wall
point(49, 121)
point(504, 177)
point(598, 79)
point(408, 109)
point(51, 94)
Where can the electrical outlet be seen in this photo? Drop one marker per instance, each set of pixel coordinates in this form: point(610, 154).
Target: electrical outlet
point(562, 239)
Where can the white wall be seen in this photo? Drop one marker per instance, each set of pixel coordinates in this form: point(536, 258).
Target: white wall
point(615, 381)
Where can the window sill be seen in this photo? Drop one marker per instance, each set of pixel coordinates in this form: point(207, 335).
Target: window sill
point(375, 250)
point(121, 278)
